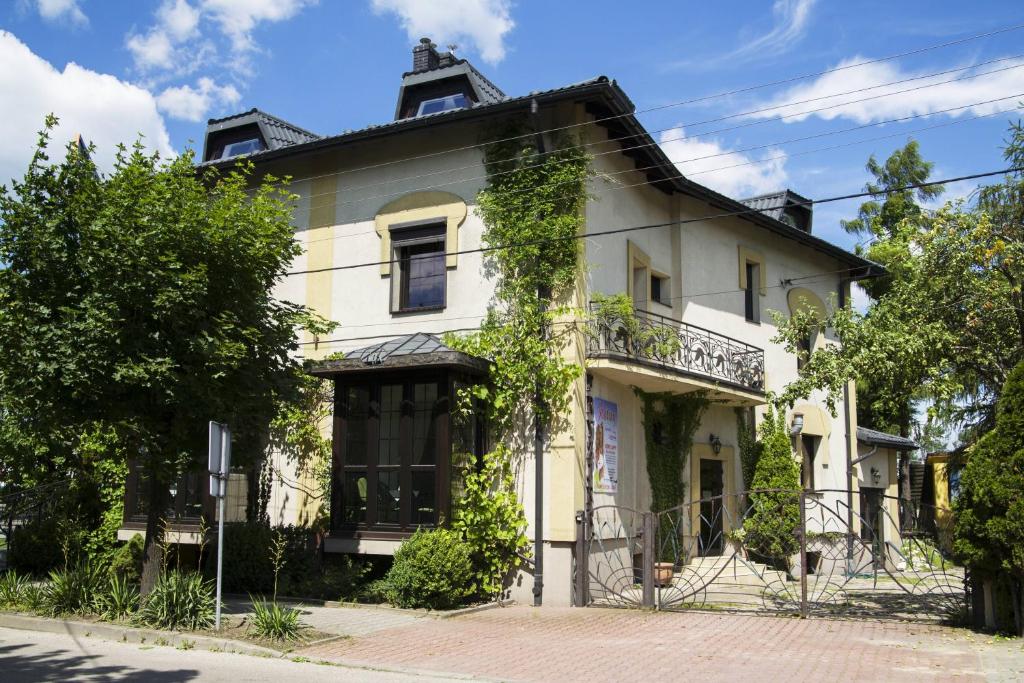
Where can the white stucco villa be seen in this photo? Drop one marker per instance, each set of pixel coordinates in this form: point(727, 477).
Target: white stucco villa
point(407, 187)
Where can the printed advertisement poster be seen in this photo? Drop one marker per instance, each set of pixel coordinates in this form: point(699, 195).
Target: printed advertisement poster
point(606, 446)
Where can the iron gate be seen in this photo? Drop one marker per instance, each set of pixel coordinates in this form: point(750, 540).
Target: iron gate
point(780, 551)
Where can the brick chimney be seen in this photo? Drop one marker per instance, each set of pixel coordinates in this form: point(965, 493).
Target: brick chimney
point(424, 56)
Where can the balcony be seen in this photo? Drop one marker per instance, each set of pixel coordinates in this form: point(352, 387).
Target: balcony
point(712, 361)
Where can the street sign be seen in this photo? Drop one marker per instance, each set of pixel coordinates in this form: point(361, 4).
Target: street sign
point(219, 459)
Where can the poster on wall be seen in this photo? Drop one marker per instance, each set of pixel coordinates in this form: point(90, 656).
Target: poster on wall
point(606, 446)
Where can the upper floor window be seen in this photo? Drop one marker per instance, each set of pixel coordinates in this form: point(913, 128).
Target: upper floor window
point(752, 304)
point(809, 444)
point(439, 104)
point(234, 149)
point(660, 289)
point(419, 255)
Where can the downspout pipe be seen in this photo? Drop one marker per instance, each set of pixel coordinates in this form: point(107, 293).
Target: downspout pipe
point(538, 422)
point(844, 282)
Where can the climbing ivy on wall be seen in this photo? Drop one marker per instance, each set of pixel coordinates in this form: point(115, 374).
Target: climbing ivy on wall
point(532, 208)
point(750, 447)
point(670, 422)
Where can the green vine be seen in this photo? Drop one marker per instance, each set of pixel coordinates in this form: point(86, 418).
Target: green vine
point(749, 446)
point(670, 423)
point(534, 202)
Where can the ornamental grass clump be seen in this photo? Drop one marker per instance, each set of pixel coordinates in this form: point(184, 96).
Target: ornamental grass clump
point(179, 600)
point(73, 591)
point(120, 599)
point(270, 620)
point(13, 589)
point(432, 569)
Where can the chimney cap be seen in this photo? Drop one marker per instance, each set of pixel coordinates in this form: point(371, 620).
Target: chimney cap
point(426, 41)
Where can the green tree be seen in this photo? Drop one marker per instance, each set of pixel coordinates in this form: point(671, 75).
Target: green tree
point(774, 516)
point(141, 301)
point(989, 512)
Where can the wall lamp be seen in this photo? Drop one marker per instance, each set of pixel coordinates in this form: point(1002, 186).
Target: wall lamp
point(716, 443)
point(876, 476)
point(798, 424)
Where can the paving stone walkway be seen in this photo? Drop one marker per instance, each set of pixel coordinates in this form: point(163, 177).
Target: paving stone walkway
point(342, 621)
point(594, 645)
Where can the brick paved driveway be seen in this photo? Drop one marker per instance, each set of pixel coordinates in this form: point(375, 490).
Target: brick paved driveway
point(551, 644)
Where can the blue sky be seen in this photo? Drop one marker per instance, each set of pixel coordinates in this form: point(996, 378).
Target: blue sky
point(115, 69)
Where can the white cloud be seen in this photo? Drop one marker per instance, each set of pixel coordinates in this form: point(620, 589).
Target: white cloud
point(920, 101)
point(102, 108)
point(791, 17)
point(179, 19)
point(152, 51)
point(238, 18)
point(192, 104)
point(59, 10)
point(711, 163)
point(482, 23)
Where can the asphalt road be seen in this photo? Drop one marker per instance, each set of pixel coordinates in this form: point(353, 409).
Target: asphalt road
point(29, 656)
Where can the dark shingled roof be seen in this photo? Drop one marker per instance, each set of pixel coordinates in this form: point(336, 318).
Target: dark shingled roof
point(876, 438)
point(773, 203)
point(411, 350)
point(277, 133)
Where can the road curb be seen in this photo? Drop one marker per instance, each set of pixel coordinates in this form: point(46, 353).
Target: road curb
point(130, 634)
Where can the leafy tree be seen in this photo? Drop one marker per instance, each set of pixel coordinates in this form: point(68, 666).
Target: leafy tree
point(141, 301)
point(989, 512)
point(951, 325)
point(774, 515)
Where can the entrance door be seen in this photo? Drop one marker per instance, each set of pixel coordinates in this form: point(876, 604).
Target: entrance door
point(871, 531)
point(711, 490)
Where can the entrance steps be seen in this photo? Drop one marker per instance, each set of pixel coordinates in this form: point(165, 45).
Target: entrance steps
point(731, 570)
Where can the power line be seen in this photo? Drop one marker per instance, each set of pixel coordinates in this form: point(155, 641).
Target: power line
point(753, 162)
point(758, 122)
point(635, 228)
point(703, 98)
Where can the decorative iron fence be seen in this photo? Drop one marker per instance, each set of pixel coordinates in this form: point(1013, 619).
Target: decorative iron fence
point(661, 341)
point(771, 551)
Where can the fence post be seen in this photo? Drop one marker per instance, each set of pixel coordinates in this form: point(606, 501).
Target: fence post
point(582, 567)
point(803, 557)
point(647, 520)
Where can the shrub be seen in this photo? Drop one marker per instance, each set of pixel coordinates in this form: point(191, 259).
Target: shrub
point(490, 518)
point(248, 565)
point(13, 587)
point(73, 591)
point(126, 560)
point(36, 548)
point(119, 600)
point(179, 600)
point(432, 569)
point(774, 516)
point(270, 620)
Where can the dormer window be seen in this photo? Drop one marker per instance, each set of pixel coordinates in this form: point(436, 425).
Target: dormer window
point(241, 147)
point(439, 104)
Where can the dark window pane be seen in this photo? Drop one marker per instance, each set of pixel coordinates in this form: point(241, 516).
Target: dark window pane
point(424, 424)
point(424, 504)
point(194, 495)
point(357, 413)
point(388, 450)
point(389, 495)
point(353, 507)
point(423, 275)
point(752, 304)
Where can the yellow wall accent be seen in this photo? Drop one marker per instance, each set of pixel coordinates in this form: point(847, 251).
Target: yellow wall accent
point(816, 423)
point(421, 206)
point(637, 257)
point(748, 255)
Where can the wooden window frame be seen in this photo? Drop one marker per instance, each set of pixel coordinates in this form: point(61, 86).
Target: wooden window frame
point(371, 528)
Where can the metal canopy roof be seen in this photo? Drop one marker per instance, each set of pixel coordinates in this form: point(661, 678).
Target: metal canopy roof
point(412, 350)
point(876, 438)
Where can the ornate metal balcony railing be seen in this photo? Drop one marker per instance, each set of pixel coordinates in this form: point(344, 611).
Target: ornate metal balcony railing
point(654, 339)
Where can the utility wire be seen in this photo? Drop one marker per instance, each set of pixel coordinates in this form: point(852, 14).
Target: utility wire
point(703, 98)
point(635, 228)
point(769, 159)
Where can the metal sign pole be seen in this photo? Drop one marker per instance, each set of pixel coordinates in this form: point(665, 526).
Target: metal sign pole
point(220, 465)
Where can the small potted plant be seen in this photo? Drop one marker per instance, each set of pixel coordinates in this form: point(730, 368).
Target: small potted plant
point(735, 538)
point(663, 573)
